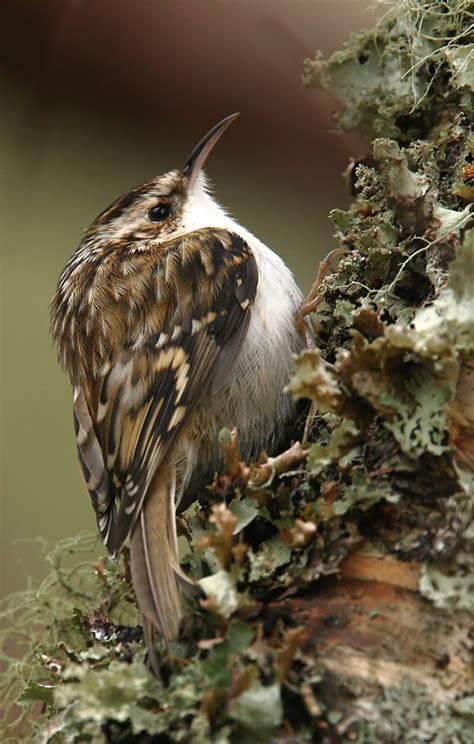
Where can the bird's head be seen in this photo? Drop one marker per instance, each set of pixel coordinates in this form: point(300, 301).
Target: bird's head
point(166, 206)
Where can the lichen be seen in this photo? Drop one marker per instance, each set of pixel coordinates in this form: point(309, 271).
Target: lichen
point(408, 714)
point(395, 80)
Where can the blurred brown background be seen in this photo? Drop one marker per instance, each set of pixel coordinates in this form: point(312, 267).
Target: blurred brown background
point(98, 96)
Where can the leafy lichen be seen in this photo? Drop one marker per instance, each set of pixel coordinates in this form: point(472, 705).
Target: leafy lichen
point(408, 714)
point(395, 80)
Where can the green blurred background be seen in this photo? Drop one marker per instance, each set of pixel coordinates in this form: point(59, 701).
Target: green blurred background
point(98, 97)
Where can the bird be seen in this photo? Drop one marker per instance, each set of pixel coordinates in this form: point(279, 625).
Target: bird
point(173, 322)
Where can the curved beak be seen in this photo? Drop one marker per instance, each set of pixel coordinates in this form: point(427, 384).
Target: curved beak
point(199, 155)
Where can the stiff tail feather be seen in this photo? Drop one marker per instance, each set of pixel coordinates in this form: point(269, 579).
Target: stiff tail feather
point(156, 573)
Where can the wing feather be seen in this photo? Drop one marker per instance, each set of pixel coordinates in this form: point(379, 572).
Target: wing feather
point(151, 387)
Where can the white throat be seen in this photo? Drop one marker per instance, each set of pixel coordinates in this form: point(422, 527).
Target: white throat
point(201, 210)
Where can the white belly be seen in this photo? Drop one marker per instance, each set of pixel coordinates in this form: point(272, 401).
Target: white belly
point(252, 400)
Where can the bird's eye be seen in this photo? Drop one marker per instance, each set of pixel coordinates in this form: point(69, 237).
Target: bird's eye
point(161, 212)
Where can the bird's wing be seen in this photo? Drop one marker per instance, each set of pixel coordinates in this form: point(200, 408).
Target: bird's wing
point(149, 390)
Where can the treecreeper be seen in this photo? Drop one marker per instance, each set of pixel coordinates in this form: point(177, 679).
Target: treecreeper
point(172, 322)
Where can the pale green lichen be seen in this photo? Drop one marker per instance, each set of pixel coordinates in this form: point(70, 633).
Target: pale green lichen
point(408, 714)
point(392, 80)
point(419, 425)
point(445, 328)
point(450, 585)
point(339, 449)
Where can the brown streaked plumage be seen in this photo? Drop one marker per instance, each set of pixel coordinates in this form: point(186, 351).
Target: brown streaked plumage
point(171, 321)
